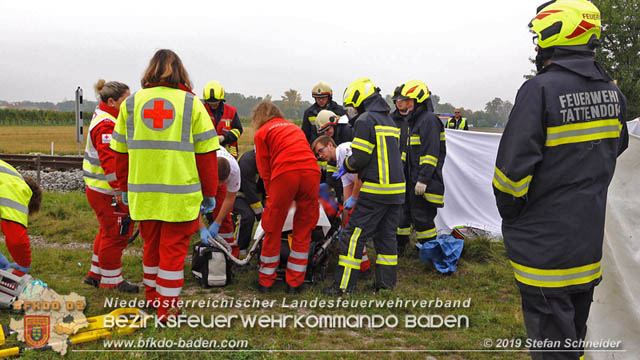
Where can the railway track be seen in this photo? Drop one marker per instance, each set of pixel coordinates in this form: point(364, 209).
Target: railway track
point(41, 161)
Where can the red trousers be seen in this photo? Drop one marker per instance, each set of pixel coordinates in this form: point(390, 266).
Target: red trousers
point(165, 247)
point(106, 262)
point(302, 187)
point(226, 230)
point(17, 243)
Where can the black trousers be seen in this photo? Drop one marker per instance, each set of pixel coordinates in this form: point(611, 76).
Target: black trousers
point(375, 220)
point(556, 323)
point(247, 220)
point(419, 212)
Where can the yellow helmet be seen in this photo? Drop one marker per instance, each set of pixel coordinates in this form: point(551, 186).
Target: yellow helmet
point(412, 89)
point(325, 119)
point(321, 89)
point(358, 91)
point(213, 91)
point(566, 23)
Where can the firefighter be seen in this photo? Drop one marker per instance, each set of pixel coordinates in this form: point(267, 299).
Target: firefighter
point(424, 154)
point(375, 156)
point(327, 124)
point(290, 173)
point(457, 121)
point(326, 149)
point(224, 117)
point(249, 202)
point(323, 96)
point(556, 158)
point(220, 218)
point(165, 163)
point(103, 192)
point(19, 197)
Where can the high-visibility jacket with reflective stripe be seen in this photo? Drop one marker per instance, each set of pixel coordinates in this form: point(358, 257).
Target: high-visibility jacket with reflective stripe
point(453, 124)
point(426, 154)
point(375, 154)
point(14, 195)
point(556, 159)
point(228, 125)
point(162, 129)
point(309, 118)
point(94, 175)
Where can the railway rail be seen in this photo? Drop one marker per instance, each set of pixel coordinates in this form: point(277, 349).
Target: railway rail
point(41, 161)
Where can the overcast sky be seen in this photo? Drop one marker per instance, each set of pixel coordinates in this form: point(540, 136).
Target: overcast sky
point(468, 52)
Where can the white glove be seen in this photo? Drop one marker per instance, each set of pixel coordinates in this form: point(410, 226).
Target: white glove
point(420, 188)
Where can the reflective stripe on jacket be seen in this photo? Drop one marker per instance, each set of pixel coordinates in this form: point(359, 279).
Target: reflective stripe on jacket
point(93, 171)
point(556, 158)
point(162, 129)
point(15, 195)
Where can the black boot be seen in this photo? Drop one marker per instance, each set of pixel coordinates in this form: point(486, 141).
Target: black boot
point(294, 290)
point(127, 287)
point(90, 280)
point(333, 290)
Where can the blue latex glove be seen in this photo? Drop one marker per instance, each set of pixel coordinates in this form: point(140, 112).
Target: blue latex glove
point(4, 263)
point(204, 236)
point(208, 204)
point(213, 229)
point(340, 172)
point(350, 203)
point(125, 198)
point(18, 267)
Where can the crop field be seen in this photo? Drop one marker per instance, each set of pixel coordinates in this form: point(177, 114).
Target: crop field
point(37, 139)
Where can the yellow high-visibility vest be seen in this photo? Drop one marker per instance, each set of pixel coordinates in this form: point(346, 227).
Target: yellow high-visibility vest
point(14, 195)
point(162, 129)
point(94, 175)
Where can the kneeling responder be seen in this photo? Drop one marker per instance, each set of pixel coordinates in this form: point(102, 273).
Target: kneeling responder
point(375, 156)
point(165, 163)
point(325, 148)
point(290, 173)
point(425, 155)
point(220, 218)
point(103, 192)
point(327, 124)
point(223, 116)
point(19, 197)
point(248, 203)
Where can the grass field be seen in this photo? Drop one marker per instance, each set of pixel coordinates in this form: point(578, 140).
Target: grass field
point(62, 236)
point(37, 139)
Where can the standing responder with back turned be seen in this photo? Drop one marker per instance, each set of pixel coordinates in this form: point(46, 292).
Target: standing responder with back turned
point(224, 117)
point(323, 96)
point(19, 197)
point(375, 156)
point(103, 192)
point(556, 159)
point(166, 162)
point(425, 155)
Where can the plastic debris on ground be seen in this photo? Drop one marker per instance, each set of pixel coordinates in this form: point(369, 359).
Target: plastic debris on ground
point(443, 253)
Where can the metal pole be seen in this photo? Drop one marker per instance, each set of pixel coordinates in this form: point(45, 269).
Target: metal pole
point(38, 169)
point(79, 121)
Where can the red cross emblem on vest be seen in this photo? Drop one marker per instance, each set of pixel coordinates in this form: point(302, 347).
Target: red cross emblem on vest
point(158, 114)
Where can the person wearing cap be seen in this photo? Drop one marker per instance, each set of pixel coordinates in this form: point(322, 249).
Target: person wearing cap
point(554, 164)
point(327, 123)
point(223, 116)
point(457, 121)
point(375, 157)
point(423, 153)
point(19, 197)
point(323, 96)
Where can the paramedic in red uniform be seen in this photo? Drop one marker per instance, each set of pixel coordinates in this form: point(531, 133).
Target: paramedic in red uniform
point(99, 168)
point(290, 173)
point(19, 197)
point(166, 164)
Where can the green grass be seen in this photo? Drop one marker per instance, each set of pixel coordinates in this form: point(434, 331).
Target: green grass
point(483, 275)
